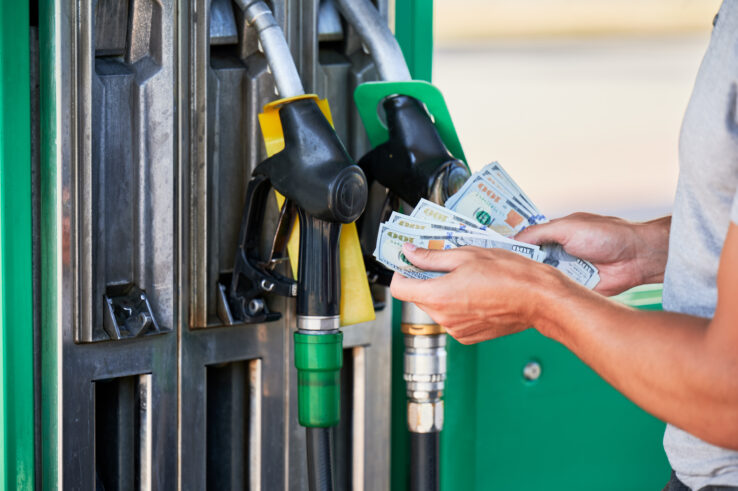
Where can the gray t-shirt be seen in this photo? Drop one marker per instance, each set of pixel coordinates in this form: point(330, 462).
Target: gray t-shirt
point(705, 204)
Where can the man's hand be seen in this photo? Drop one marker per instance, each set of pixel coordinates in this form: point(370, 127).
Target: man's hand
point(487, 293)
point(678, 367)
point(626, 254)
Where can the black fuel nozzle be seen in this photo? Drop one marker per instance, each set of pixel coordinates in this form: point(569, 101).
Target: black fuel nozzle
point(413, 163)
point(314, 173)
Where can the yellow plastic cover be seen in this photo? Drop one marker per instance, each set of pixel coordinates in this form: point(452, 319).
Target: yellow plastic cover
point(356, 299)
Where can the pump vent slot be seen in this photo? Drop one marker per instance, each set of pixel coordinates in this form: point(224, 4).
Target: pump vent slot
point(111, 22)
point(233, 422)
point(223, 28)
point(123, 433)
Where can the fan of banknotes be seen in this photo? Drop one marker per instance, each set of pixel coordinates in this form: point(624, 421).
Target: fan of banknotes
point(486, 212)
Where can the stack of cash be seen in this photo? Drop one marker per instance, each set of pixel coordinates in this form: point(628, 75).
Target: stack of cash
point(486, 212)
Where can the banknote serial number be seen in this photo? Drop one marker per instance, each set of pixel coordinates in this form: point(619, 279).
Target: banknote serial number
point(411, 225)
point(400, 237)
point(484, 189)
point(434, 214)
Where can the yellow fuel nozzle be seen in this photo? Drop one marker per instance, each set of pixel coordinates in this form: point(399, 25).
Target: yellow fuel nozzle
point(356, 302)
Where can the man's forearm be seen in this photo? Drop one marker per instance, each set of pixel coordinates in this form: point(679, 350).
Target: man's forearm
point(664, 362)
point(653, 248)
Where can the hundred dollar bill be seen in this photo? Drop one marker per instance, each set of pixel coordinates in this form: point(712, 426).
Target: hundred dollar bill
point(508, 188)
point(429, 226)
point(483, 202)
point(391, 237)
point(478, 201)
point(428, 211)
point(495, 170)
point(459, 239)
point(389, 251)
point(579, 270)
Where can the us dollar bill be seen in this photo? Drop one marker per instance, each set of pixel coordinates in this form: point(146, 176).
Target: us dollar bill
point(391, 237)
point(485, 203)
point(388, 251)
point(486, 212)
point(496, 175)
point(418, 225)
point(431, 212)
point(496, 172)
point(459, 238)
point(579, 270)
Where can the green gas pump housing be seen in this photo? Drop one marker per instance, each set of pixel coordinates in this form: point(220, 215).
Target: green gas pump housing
point(521, 412)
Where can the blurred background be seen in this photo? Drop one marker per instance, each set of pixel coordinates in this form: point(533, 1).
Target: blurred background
point(580, 100)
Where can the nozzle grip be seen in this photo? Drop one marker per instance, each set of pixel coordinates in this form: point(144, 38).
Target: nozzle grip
point(251, 280)
point(319, 284)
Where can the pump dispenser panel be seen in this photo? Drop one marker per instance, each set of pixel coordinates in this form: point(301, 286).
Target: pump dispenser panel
point(158, 136)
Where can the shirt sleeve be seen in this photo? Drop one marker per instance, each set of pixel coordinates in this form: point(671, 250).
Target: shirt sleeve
point(734, 209)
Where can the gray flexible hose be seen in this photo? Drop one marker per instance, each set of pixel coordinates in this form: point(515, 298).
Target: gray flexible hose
point(377, 37)
point(275, 47)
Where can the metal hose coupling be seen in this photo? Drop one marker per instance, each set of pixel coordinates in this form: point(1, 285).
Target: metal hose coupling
point(424, 370)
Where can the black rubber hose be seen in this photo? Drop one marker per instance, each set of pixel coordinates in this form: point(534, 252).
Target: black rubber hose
point(320, 458)
point(424, 461)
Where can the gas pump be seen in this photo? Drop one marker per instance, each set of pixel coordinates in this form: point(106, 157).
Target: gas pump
point(412, 161)
point(325, 189)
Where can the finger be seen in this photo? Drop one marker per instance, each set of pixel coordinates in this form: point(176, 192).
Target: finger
point(544, 233)
point(421, 292)
point(436, 260)
point(408, 289)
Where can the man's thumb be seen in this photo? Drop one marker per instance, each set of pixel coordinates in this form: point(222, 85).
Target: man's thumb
point(434, 259)
point(541, 234)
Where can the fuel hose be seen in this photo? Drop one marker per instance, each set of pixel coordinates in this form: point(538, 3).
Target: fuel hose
point(320, 459)
point(424, 460)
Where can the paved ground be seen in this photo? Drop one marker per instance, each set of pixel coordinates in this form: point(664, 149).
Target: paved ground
point(582, 124)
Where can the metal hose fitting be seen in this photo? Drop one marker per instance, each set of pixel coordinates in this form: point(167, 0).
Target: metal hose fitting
point(424, 370)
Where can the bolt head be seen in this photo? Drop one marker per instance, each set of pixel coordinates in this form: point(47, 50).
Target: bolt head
point(255, 306)
point(532, 371)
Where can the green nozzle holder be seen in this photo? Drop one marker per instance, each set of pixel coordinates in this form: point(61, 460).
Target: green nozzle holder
point(318, 359)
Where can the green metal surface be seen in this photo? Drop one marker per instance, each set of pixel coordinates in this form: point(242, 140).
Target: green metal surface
point(567, 430)
point(414, 32)
point(318, 359)
point(51, 248)
point(369, 95)
point(16, 314)
point(644, 297)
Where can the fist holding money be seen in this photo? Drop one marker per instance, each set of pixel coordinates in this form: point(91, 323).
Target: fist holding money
point(486, 212)
point(481, 293)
